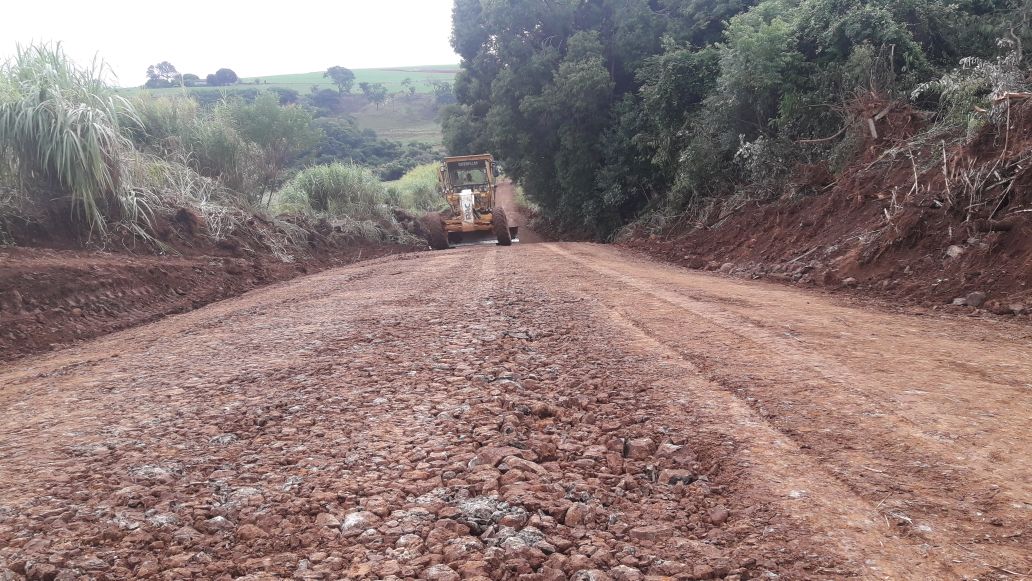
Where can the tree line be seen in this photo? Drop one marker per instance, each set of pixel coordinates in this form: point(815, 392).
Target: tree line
point(605, 109)
point(164, 75)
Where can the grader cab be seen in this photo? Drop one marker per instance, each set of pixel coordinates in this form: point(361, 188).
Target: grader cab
point(468, 183)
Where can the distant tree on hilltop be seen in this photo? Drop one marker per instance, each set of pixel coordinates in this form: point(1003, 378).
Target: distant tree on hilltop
point(342, 77)
point(222, 77)
point(226, 77)
point(163, 74)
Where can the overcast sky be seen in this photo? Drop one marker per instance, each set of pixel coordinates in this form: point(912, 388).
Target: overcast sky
point(252, 38)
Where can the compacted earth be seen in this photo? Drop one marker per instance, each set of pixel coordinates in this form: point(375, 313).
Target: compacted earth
point(538, 412)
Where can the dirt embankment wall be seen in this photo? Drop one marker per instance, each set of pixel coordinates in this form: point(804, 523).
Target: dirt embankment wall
point(912, 220)
point(54, 292)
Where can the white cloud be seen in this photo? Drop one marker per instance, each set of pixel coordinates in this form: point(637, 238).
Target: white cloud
point(252, 38)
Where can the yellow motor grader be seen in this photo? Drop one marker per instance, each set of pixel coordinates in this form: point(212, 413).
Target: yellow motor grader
point(468, 182)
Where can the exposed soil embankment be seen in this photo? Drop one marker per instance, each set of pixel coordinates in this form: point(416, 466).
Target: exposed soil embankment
point(49, 298)
point(911, 221)
point(54, 292)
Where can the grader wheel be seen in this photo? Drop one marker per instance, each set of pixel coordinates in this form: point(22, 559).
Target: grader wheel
point(501, 227)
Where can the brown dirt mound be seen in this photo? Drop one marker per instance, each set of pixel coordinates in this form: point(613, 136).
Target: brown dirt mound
point(910, 221)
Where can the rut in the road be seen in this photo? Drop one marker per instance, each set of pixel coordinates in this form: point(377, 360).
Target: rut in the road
point(376, 422)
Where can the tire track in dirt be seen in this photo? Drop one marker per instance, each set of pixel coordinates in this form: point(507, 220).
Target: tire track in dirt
point(946, 513)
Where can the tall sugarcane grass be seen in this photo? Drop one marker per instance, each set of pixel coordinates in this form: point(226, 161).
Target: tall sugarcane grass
point(336, 190)
point(351, 196)
point(63, 136)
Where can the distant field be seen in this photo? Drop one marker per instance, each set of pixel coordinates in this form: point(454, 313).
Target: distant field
point(399, 119)
point(391, 77)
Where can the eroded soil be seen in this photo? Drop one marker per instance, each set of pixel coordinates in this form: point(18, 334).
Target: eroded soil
point(545, 411)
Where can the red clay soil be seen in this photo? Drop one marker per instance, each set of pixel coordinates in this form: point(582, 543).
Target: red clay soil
point(532, 412)
point(49, 298)
point(53, 291)
point(961, 230)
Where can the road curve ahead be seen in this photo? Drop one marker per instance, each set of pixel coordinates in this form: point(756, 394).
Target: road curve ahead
point(545, 411)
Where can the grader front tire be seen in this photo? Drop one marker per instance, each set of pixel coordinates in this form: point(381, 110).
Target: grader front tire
point(501, 227)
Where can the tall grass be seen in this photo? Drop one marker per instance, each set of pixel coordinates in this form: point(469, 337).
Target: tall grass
point(418, 189)
point(165, 122)
point(63, 134)
point(351, 196)
point(336, 190)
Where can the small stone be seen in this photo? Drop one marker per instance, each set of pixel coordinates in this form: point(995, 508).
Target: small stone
point(954, 251)
point(591, 575)
point(250, 532)
point(975, 299)
point(326, 519)
point(441, 573)
point(625, 573)
point(492, 455)
point(576, 514)
point(1016, 308)
point(517, 463)
point(702, 572)
point(639, 448)
point(850, 281)
point(672, 477)
point(217, 523)
point(651, 532)
point(185, 534)
point(959, 302)
point(718, 515)
point(727, 267)
point(357, 522)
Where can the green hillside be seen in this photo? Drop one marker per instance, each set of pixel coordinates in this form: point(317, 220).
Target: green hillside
point(422, 77)
point(403, 118)
point(391, 77)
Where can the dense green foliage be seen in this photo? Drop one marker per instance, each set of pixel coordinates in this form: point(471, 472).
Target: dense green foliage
point(418, 190)
point(342, 77)
point(353, 197)
point(62, 134)
point(336, 189)
point(604, 109)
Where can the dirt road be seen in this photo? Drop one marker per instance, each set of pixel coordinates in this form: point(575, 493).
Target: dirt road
point(546, 411)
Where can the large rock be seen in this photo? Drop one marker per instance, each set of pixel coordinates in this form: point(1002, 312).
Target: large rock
point(652, 532)
point(975, 299)
point(326, 519)
point(357, 522)
point(492, 455)
point(250, 532)
point(441, 573)
point(576, 515)
point(639, 448)
point(671, 476)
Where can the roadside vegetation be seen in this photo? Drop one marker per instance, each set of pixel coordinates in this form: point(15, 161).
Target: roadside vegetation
point(417, 190)
point(86, 160)
point(682, 111)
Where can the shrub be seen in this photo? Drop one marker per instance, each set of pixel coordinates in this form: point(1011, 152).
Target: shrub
point(165, 122)
point(418, 189)
point(62, 130)
point(336, 190)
